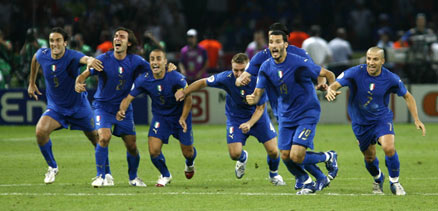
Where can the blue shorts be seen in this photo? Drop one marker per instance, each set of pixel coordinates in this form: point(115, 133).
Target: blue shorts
point(108, 120)
point(83, 119)
point(299, 135)
point(369, 134)
point(162, 127)
point(262, 130)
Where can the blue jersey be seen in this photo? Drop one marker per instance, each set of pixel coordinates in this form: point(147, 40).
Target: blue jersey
point(236, 106)
point(258, 59)
point(162, 92)
point(60, 76)
point(296, 95)
point(116, 79)
point(369, 95)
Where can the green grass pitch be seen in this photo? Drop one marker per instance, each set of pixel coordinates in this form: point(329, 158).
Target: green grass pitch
point(214, 186)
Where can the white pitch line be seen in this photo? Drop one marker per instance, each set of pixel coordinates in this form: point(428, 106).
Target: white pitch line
point(194, 193)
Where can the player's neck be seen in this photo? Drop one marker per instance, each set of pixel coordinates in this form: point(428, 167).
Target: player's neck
point(120, 55)
point(281, 58)
point(159, 75)
point(57, 56)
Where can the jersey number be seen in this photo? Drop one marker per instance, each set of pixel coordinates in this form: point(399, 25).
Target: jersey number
point(162, 100)
point(304, 134)
point(120, 85)
point(283, 89)
point(56, 81)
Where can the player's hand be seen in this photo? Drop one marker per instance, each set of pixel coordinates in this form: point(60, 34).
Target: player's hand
point(245, 127)
point(80, 87)
point(180, 95)
point(183, 124)
point(120, 115)
point(331, 94)
point(250, 99)
point(33, 91)
point(419, 125)
point(170, 67)
point(243, 80)
point(94, 63)
point(321, 87)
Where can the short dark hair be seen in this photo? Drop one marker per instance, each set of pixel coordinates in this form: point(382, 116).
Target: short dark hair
point(278, 32)
point(131, 38)
point(60, 31)
point(240, 58)
point(278, 27)
point(159, 50)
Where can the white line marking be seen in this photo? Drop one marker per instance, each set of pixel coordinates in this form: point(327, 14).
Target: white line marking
point(195, 193)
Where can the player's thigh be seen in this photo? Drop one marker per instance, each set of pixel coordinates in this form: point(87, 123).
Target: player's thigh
point(93, 136)
point(130, 143)
point(271, 147)
point(388, 145)
point(155, 144)
point(370, 153)
point(46, 125)
point(235, 149)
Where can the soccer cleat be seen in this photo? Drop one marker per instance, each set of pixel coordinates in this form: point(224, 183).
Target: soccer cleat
point(189, 171)
point(321, 184)
point(298, 184)
point(163, 181)
point(240, 167)
point(50, 175)
point(397, 189)
point(137, 182)
point(97, 181)
point(378, 185)
point(308, 189)
point(277, 180)
point(332, 165)
point(109, 180)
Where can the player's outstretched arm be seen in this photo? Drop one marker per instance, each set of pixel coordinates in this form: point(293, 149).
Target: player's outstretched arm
point(412, 106)
point(254, 98)
point(332, 91)
point(186, 110)
point(329, 75)
point(321, 84)
point(246, 126)
point(92, 62)
point(123, 106)
point(80, 81)
point(171, 67)
point(195, 86)
point(244, 79)
point(32, 89)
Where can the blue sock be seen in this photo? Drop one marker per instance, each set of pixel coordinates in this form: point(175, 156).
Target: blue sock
point(242, 157)
point(273, 165)
point(189, 161)
point(107, 166)
point(133, 162)
point(314, 158)
point(46, 150)
point(393, 165)
point(101, 155)
point(296, 169)
point(314, 170)
point(160, 163)
point(373, 167)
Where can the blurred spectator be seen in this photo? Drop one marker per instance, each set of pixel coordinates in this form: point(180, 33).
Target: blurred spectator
point(29, 48)
point(317, 47)
point(361, 20)
point(214, 52)
point(399, 43)
point(297, 37)
point(384, 39)
point(106, 44)
point(258, 44)
point(82, 47)
point(341, 51)
point(5, 59)
point(194, 61)
point(151, 43)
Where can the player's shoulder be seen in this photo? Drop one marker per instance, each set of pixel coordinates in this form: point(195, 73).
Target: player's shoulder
point(43, 52)
point(390, 74)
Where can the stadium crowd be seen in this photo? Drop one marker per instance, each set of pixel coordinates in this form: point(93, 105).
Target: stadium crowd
point(405, 29)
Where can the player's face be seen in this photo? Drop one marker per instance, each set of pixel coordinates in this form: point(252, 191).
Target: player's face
point(375, 61)
point(120, 42)
point(277, 46)
point(57, 43)
point(238, 69)
point(158, 62)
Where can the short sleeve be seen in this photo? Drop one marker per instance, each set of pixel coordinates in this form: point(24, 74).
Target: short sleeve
point(216, 80)
point(346, 77)
point(400, 88)
point(256, 62)
point(262, 77)
point(136, 88)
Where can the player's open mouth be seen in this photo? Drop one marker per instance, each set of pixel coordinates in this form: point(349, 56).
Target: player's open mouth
point(118, 45)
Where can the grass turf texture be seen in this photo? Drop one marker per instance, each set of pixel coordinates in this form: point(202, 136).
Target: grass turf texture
point(214, 185)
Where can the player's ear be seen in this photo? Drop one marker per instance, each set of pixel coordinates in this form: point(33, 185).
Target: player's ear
point(129, 43)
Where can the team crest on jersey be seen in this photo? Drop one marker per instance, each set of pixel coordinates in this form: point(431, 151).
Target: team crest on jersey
point(372, 86)
point(160, 88)
point(53, 67)
point(280, 73)
point(242, 92)
point(231, 130)
point(121, 70)
point(157, 125)
point(98, 120)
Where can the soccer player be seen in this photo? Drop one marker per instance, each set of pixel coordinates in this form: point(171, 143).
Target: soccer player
point(253, 70)
point(370, 87)
point(298, 109)
point(243, 120)
point(65, 107)
point(121, 67)
point(169, 116)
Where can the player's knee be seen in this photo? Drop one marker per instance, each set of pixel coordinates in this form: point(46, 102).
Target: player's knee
point(188, 153)
point(154, 152)
point(104, 140)
point(272, 153)
point(296, 158)
point(235, 155)
point(285, 155)
point(41, 133)
point(369, 158)
point(389, 150)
